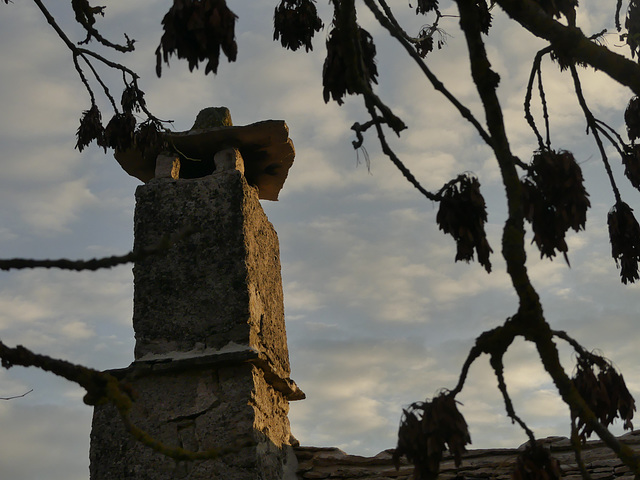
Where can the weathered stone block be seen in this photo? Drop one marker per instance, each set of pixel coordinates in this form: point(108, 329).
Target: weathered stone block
point(226, 407)
point(219, 287)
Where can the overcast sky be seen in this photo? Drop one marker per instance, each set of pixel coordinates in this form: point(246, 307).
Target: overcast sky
point(378, 314)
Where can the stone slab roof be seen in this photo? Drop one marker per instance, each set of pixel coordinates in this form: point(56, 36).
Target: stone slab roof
point(317, 463)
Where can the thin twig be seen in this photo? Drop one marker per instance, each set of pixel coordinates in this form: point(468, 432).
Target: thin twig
point(437, 84)
point(17, 396)
point(394, 158)
point(498, 368)
point(162, 246)
point(594, 131)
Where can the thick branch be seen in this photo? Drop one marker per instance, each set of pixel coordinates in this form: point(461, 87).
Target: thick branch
point(572, 42)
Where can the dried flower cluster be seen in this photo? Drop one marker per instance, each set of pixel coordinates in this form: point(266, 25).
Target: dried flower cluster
point(120, 133)
point(624, 234)
point(90, 128)
point(554, 200)
point(85, 13)
point(295, 22)
point(425, 45)
point(462, 214)
point(350, 65)
point(132, 99)
point(632, 118)
point(631, 163)
point(536, 463)
point(196, 30)
point(484, 16)
point(606, 393)
point(426, 430)
point(632, 24)
point(425, 6)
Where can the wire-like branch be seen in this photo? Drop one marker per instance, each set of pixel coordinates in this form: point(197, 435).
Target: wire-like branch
point(593, 126)
point(399, 34)
point(535, 71)
point(498, 368)
point(387, 150)
point(17, 396)
point(165, 243)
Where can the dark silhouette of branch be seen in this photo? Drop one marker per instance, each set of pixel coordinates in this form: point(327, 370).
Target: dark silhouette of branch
point(398, 33)
point(593, 126)
point(573, 42)
point(165, 243)
point(101, 387)
point(17, 396)
point(498, 368)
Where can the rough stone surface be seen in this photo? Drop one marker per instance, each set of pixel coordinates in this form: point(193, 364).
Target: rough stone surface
point(222, 284)
point(494, 464)
point(212, 365)
point(197, 410)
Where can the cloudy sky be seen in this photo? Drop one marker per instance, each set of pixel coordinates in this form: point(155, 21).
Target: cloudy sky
point(378, 314)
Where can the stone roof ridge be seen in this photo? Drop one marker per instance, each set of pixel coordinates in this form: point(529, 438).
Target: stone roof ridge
point(331, 463)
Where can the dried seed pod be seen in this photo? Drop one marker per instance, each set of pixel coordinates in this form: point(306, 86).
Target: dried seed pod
point(624, 234)
point(632, 24)
point(631, 162)
point(149, 138)
point(536, 463)
point(132, 99)
point(605, 393)
point(350, 64)
point(462, 214)
point(196, 30)
point(425, 45)
point(295, 23)
point(632, 118)
point(119, 132)
point(554, 200)
point(426, 430)
point(425, 6)
point(90, 128)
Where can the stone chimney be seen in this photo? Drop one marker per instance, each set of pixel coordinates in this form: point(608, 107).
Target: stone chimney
point(211, 365)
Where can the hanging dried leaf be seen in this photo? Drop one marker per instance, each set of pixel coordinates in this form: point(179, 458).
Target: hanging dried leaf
point(536, 463)
point(425, 6)
point(119, 131)
point(90, 129)
point(132, 99)
point(605, 393)
point(631, 162)
point(196, 30)
point(425, 45)
point(85, 13)
point(554, 200)
point(350, 65)
point(295, 23)
point(484, 16)
point(462, 214)
point(632, 24)
point(149, 139)
point(624, 234)
point(426, 430)
point(632, 118)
